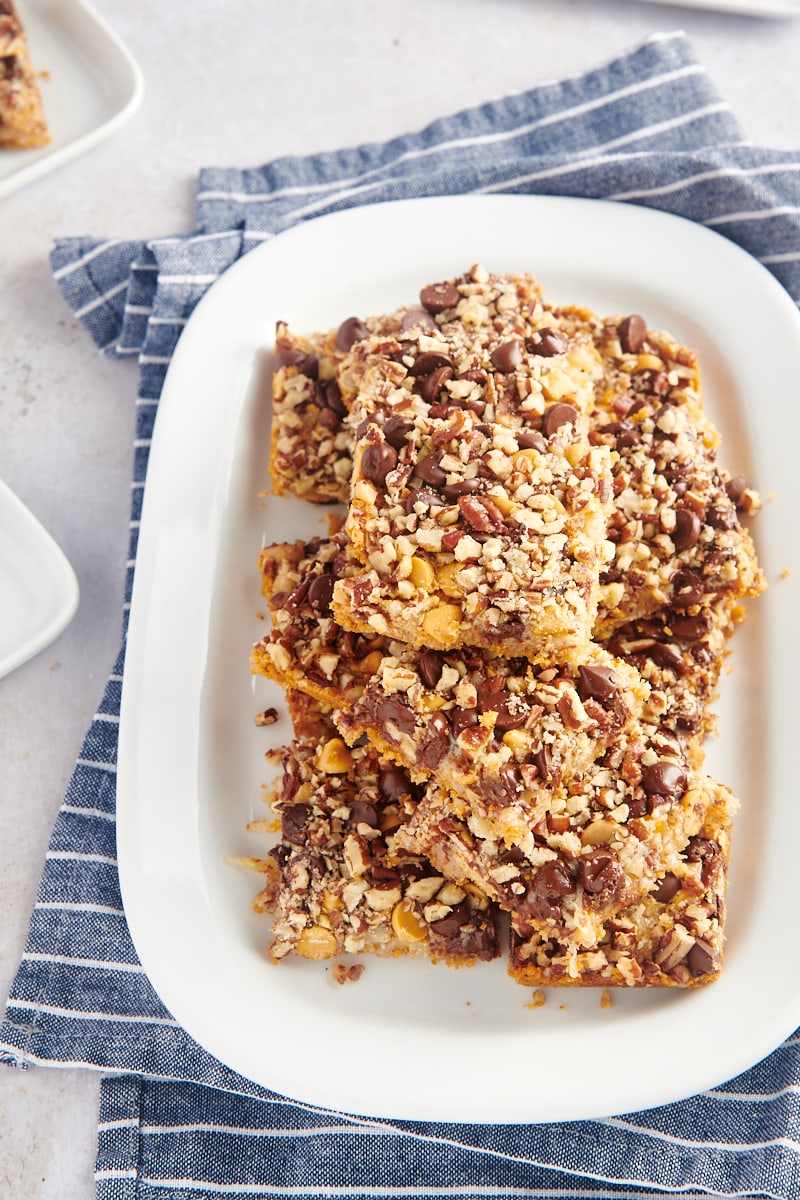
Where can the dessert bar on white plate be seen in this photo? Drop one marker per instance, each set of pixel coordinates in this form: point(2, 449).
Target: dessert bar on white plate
point(91, 85)
point(38, 588)
point(751, 8)
point(191, 758)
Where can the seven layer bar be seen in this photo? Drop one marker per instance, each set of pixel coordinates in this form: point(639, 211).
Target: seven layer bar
point(554, 776)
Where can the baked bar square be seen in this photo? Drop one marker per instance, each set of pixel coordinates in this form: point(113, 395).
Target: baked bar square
point(672, 936)
point(337, 884)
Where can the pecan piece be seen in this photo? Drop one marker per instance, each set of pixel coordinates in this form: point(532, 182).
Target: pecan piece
point(481, 513)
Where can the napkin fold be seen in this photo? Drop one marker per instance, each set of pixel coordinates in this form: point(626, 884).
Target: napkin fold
point(647, 128)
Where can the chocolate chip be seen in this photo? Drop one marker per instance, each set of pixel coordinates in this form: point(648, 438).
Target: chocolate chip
point(363, 813)
point(599, 871)
point(687, 529)
point(668, 656)
point(394, 783)
point(425, 497)
point(700, 848)
point(475, 375)
point(531, 440)
point(429, 386)
point(548, 887)
point(669, 886)
point(701, 958)
point(430, 667)
point(632, 333)
point(664, 778)
point(543, 761)
point(395, 430)
point(688, 589)
point(736, 487)
point(417, 318)
point(688, 629)
point(395, 711)
point(512, 711)
point(599, 683)
point(430, 361)
point(627, 435)
point(349, 332)
point(437, 297)
point(292, 356)
point(320, 592)
point(293, 823)
point(333, 398)
point(429, 471)
point(463, 487)
point(440, 723)
point(512, 714)
point(463, 718)
point(639, 805)
point(507, 357)
point(377, 461)
point(502, 788)
point(436, 742)
point(329, 419)
point(458, 916)
point(547, 342)
point(556, 416)
point(720, 517)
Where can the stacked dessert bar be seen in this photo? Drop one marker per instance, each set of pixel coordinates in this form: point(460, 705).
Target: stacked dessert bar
point(501, 664)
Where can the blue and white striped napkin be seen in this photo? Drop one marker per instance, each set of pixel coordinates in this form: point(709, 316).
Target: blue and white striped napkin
point(648, 128)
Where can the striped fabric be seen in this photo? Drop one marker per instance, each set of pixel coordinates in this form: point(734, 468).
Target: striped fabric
point(647, 128)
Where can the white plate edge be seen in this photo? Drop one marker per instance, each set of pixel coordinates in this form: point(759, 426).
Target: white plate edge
point(133, 86)
point(123, 814)
point(60, 571)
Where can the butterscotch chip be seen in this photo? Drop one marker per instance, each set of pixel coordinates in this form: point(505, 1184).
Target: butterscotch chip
point(334, 758)
point(315, 941)
point(23, 124)
point(407, 924)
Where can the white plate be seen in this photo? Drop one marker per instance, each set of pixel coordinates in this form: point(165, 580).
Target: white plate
point(38, 588)
point(410, 1039)
point(93, 85)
